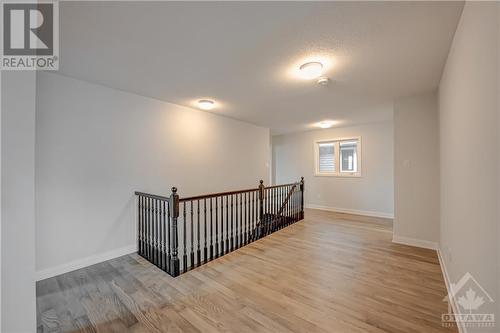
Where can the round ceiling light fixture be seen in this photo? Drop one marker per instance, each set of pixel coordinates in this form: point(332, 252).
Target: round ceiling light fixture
point(325, 124)
point(311, 70)
point(206, 104)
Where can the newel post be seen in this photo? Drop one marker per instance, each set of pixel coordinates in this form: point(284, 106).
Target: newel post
point(261, 208)
point(174, 214)
point(301, 198)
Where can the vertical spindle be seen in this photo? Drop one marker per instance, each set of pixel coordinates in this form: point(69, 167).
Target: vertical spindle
point(198, 249)
point(192, 237)
point(155, 237)
point(227, 224)
point(236, 239)
point(241, 220)
point(211, 233)
point(184, 238)
point(205, 249)
point(216, 229)
point(232, 224)
point(168, 245)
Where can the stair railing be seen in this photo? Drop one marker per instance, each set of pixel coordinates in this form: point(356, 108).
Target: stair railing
point(178, 234)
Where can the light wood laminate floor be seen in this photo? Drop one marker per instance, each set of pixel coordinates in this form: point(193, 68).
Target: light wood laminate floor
point(329, 273)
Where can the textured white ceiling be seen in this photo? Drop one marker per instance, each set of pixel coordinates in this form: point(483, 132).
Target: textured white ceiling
point(243, 54)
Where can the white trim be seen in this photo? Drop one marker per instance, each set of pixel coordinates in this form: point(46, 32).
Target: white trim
point(336, 157)
point(447, 281)
point(414, 242)
point(81, 263)
point(351, 211)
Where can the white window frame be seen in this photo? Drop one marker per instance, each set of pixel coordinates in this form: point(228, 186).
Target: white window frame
point(336, 156)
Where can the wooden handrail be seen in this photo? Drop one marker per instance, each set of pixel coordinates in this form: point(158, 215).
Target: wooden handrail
point(152, 196)
point(275, 186)
point(219, 194)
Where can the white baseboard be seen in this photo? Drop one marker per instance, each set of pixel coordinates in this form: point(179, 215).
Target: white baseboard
point(447, 281)
point(414, 242)
point(81, 263)
point(351, 211)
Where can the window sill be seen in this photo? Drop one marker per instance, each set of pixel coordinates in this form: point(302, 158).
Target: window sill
point(357, 175)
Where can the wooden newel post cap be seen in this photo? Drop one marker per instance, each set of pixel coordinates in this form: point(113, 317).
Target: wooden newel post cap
point(174, 189)
point(261, 182)
point(302, 179)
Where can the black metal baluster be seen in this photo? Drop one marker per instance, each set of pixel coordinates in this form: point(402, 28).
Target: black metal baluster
point(150, 223)
point(232, 224)
point(275, 199)
point(252, 216)
point(296, 217)
point(216, 229)
point(140, 222)
point(236, 223)
point(296, 205)
point(241, 219)
point(289, 205)
point(244, 237)
point(192, 237)
point(227, 224)
point(211, 233)
point(169, 244)
point(198, 250)
point(164, 235)
point(271, 216)
point(282, 202)
point(205, 249)
point(160, 235)
point(255, 215)
point(155, 230)
point(184, 238)
point(149, 229)
point(247, 211)
point(249, 217)
point(165, 239)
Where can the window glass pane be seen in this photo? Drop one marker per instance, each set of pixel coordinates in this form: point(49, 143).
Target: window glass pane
point(349, 156)
point(326, 157)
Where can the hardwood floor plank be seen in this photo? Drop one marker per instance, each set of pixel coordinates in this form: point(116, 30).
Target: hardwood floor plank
point(328, 273)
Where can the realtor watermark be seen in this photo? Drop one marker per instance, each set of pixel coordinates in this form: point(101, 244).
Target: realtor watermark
point(471, 305)
point(30, 38)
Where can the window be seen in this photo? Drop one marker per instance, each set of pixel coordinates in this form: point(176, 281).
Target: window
point(338, 157)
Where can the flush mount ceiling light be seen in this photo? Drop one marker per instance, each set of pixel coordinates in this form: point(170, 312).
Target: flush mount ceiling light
point(206, 104)
point(325, 124)
point(311, 70)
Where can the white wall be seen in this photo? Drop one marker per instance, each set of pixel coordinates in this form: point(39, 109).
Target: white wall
point(293, 157)
point(416, 170)
point(468, 109)
point(95, 146)
point(18, 202)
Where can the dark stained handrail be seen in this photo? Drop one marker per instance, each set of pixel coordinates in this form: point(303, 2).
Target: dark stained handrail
point(152, 196)
point(281, 185)
point(219, 194)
